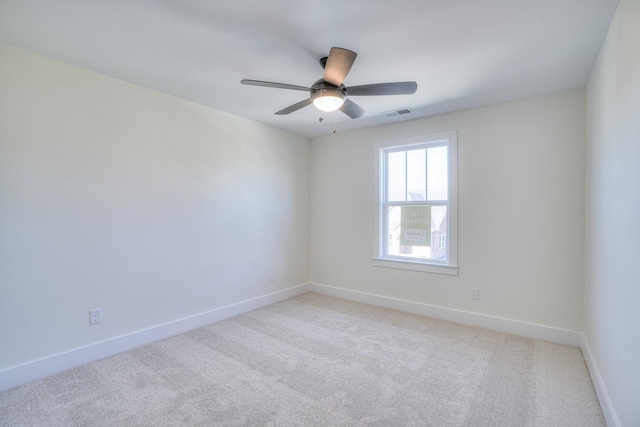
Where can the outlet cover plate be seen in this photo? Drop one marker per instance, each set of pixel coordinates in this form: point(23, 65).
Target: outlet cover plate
point(95, 316)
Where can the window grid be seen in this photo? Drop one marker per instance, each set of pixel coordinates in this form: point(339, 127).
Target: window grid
point(407, 202)
point(442, 238)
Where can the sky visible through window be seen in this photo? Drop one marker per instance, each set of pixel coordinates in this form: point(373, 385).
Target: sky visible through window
point(412, 179)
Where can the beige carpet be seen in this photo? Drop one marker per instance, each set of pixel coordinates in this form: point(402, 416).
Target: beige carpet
point(320, 361)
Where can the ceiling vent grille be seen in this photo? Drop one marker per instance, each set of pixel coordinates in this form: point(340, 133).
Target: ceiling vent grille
point(398, 112)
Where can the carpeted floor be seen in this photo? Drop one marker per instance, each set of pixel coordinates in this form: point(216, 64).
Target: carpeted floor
point(320, 361)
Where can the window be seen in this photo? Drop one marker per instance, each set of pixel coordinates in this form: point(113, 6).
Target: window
point(416, 203)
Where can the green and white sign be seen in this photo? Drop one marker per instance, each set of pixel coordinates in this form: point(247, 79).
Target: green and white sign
point(415, 225)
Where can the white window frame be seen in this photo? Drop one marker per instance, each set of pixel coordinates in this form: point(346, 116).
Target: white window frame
point(449, 138)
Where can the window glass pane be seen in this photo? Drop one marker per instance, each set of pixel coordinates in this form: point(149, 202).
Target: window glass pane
point(399, 235)
point(437, 173)
point(397, 176)
point(438, 233)
point(393, 230)
point(416, 175)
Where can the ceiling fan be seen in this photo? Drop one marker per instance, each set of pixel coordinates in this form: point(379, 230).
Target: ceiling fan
point(329, 94)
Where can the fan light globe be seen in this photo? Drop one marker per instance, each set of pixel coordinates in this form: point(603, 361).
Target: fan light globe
point(329, 100)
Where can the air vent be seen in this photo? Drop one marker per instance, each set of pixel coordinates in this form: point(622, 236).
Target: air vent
point(397, 112)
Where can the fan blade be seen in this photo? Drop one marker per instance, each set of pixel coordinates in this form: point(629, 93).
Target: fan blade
point(398, 88)
point(294, 107)
point(274, 85)
point(338, 64)
point(352, 109)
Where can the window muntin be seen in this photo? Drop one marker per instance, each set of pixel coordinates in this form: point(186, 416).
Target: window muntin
point(416, 204)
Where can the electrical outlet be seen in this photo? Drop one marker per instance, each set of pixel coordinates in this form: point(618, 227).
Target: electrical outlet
point(475, 293)
point(95, 316)
point(272, 277)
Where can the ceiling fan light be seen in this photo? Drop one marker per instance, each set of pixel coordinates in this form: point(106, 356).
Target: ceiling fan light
point(328, 100)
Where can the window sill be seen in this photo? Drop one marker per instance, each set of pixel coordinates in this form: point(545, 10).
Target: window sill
point(416, 266)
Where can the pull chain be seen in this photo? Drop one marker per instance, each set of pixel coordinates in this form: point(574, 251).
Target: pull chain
point(321, 119)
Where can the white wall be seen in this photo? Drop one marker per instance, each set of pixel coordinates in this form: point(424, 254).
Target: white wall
point(612, 291)
point(521, 212)
point(149, 207)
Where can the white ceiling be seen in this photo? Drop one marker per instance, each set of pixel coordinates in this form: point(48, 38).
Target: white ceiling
point(462, 53)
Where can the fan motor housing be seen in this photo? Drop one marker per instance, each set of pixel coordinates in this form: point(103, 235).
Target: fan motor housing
point(322, 88)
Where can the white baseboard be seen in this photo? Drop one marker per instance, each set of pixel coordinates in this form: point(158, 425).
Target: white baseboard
point(601, 391)
point(22, 374)
point(530, 330)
